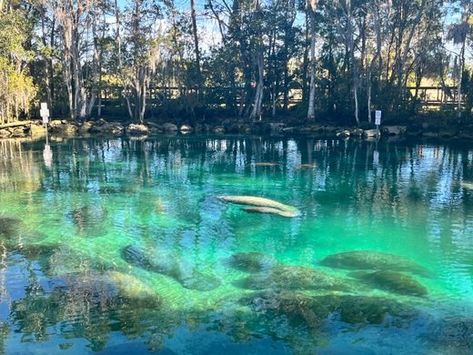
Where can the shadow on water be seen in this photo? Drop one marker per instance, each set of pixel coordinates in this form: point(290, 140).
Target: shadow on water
point(121, 244)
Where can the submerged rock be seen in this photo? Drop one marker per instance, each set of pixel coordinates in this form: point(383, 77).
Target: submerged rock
point(292, 278)
point(373, 260)
point(251, 262)
point(392, 281)
point(255, 201)
point(170, 267)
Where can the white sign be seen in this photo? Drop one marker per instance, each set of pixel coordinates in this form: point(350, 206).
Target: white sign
point(44, 112)
point(377, 119)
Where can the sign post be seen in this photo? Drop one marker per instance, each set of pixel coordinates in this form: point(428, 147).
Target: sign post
point(377, 119)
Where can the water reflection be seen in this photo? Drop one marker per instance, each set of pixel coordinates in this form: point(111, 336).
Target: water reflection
point(113, 240)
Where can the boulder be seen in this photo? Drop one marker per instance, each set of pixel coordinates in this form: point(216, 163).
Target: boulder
point(394, 130)
point(137, 129)
point(102, 127)
point(344, 133)
point(370, 133)
point(185, 128)
point(85, 127)
point(276, 127)
point(169, 127)
point(37, 130)
point(18, 132)
point(218, 130)
point(4, 133)
point(63, 127)
point(356, 132)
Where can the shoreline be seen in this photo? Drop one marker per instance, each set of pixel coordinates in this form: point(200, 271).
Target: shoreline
point(102, 128)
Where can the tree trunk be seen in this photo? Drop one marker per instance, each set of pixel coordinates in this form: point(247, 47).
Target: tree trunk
point(311, 109)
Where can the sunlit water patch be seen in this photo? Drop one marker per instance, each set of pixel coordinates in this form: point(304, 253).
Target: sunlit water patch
point(160, 246)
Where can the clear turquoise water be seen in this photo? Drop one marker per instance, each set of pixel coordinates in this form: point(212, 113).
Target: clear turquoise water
point(67, 286)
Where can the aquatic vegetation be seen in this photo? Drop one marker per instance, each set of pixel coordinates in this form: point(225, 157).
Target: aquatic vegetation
point(373, 260)
point(262, 205)
point(287, 277)
point(392, 281)
point(251, 262)
point(169, 266)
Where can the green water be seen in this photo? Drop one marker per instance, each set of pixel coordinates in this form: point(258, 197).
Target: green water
point(67, 283)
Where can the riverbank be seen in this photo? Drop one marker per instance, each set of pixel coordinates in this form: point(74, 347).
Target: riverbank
point(450, 130)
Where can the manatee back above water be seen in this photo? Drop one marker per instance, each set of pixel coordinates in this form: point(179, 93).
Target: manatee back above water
point(392, 281)
point(373, 260)
point(169, 266)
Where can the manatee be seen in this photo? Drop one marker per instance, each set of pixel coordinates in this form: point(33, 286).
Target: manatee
point(133, 288)
point(452, 335)
point(255, 201)
point(170, 267)
point(392, 281)
point(266, 164)
point(292, 278)
point(467, 185)
point(9, 226)
point(88, 220)
point(269, 210)
point(251, 262)
point(306, 166)
point(373, 260)
point(313, 311)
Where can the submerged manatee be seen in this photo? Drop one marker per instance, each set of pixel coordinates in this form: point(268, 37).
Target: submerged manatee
point(314, 311)
point(89, 220)
point(269, 210)
point(263, 205)
point(373, 260)
point(266, 164)
point(251, 262)
point(133, 288)
point(392, 281)
point(288, 277)
point(9, 226)
point(170, 267)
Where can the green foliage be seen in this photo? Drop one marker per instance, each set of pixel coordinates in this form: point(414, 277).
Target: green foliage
point(16, 85)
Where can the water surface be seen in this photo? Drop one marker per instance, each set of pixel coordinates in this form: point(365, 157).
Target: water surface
point(119, 246)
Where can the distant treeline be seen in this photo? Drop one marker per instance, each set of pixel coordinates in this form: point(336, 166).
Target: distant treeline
point(250, 58)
